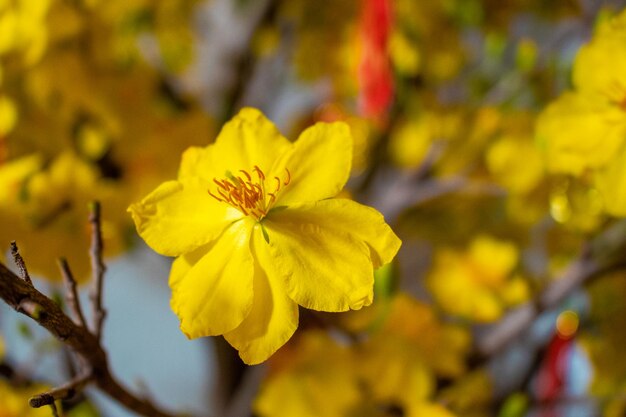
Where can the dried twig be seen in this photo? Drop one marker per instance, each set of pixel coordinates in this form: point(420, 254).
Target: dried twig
point(64, 392)
point(599, 256)
point(98, 269)
point(71, 292)
point(23, 297)
point(17, 258)
point(55, 412)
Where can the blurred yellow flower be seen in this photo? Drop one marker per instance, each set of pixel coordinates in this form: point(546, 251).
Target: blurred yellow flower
point(23, 29)
point(479, 283)
point(585, 129)
point(446, 346)
point(411, 140)
point(298, 384)
point(319, 376)
point(515, 163)
point(45, 208)
point(256, 233)
point(14, 401)
point(8, 115)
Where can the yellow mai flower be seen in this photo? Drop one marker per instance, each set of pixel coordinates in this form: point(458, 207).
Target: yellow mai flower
point(584, 130)
point(14, 401)
point(479, 283)
point(256, 233)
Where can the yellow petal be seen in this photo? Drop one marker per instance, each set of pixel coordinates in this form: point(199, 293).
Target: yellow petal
point(274, 316)
point(600, 66)
point(361, 222)
point(579, 132)
point(247, 140)
point(319, 164)
point(177, 218)
point(611, 183)
point(212, 291)
point(325, 267)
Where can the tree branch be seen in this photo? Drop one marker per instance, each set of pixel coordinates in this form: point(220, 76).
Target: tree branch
point(98, 269)
point(71, 292)
point(17, 293)
point(64, 392)
point(17, 258)
point(600, 256)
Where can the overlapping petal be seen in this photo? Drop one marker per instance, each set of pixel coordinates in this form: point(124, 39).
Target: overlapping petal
point(579, 133)
point(274, 316)
point(212, 291)
point(326, 267)
point(177, 218)
point(608, 82)
point(319, 164)
point(247, 140)
point(363, 223)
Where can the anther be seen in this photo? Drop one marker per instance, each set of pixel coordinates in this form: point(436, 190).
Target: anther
point(247, 195)
point(259, 172)
point(288, 180)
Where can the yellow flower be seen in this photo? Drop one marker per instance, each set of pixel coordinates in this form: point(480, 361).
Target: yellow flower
point(256, 233)
point(585, 130)
point(319, 376)
point(312, 377)
point(478, 284)
point(14, 401)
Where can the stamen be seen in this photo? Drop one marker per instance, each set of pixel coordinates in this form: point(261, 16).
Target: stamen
point(288, 180)
point(246, 174)
point(247, 195)
point(259, 173)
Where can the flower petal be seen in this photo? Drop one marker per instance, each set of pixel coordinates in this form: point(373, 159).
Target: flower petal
point(325, 267)
point(579, 132)
point(361, 222)
point(212, 291)
point(177, 218)
point(319, 164)
point(248, 139)
point(274, 316)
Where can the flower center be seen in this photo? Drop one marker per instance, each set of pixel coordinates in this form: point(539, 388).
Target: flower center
point(250, 194)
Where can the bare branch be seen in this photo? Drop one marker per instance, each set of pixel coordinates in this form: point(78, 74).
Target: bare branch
point(26, 299)
point(599, 256)
point(55, 412)
point(64, 392)
point(71, 292)
point(19, 261)
point(97, 267)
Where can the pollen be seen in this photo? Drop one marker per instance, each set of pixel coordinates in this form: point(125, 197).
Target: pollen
point(251, 192)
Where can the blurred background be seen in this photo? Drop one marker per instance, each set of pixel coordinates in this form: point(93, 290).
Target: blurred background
point(491, 135)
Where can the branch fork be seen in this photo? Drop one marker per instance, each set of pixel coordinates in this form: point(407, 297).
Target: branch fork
point(81, 337)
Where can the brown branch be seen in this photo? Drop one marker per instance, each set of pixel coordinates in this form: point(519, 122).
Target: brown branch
point(55, 412)
point(64, 392)
point(516, 322)
point(97, 267)
point(17, 258)
point(17, 294)
point(599, 256)
point(26, 299)
point(71, 292)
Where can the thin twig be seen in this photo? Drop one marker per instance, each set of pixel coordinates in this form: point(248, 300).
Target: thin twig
point(71, 292)
point(594, 261)
point(64, 392)
point(97, 267)
point(55, 412)
point(19, 261)
point(27, 300)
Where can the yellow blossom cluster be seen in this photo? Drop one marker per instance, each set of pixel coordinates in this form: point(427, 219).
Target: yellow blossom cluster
point(583, 132)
